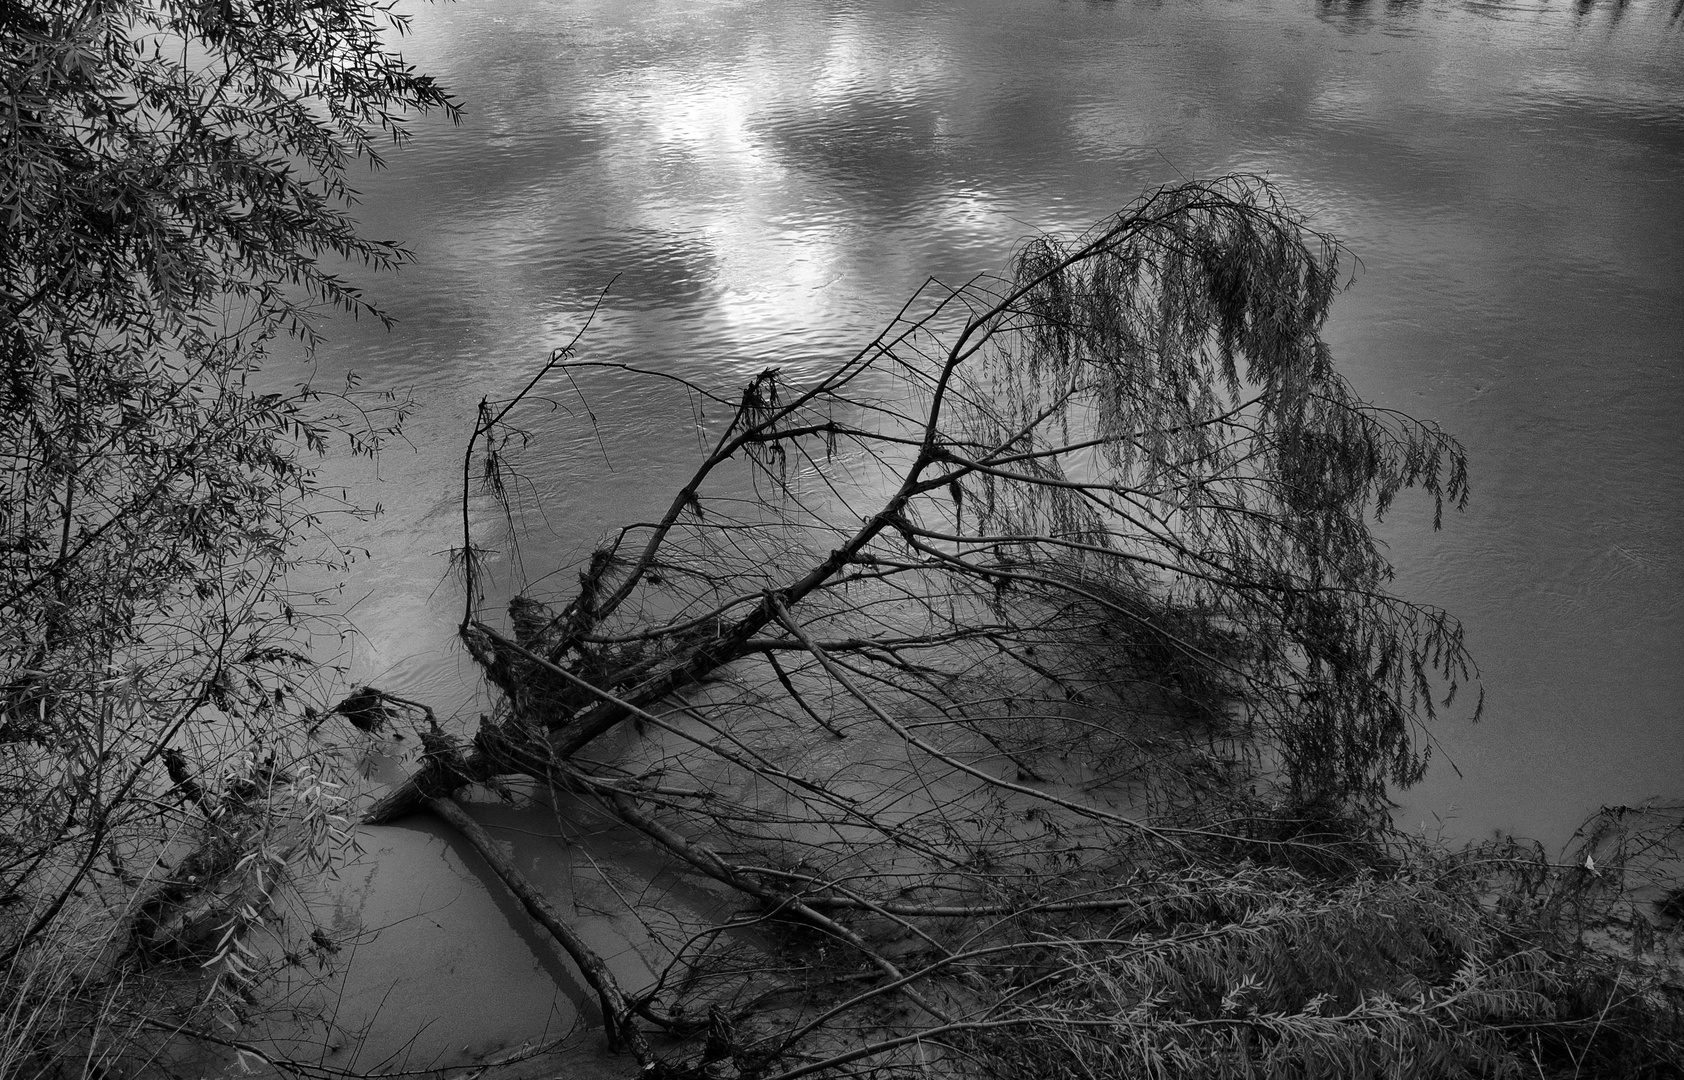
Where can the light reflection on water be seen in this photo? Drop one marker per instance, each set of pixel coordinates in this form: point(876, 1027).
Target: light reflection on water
point(770, 180)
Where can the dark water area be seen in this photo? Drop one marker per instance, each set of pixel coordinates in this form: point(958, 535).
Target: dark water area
point(769, 181)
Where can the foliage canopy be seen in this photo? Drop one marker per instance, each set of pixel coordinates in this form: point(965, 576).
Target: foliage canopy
point(175, 193)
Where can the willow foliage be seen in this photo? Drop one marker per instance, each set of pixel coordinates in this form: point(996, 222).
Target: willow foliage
point(1154, 402)
point(174, 196)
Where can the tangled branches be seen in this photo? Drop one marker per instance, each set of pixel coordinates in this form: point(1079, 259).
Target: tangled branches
point(1035, 713)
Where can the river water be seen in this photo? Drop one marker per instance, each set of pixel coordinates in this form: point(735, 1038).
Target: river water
point(769, 180)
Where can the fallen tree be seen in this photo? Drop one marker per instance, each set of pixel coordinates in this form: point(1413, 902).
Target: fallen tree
point(1031, 682)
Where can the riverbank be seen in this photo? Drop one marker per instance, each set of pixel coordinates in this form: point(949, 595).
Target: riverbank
point(1600, 937)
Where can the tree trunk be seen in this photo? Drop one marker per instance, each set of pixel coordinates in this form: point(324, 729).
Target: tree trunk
point(622, 1032)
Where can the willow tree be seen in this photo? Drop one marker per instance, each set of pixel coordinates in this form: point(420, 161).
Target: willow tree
point(1028, 687)
point(175, 190)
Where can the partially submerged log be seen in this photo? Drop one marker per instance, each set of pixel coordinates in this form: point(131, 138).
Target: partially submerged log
point(563, 722)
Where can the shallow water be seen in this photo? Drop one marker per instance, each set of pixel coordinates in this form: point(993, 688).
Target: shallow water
point(769, 181)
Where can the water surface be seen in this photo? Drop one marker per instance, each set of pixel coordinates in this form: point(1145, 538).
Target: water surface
point(769, 180)
point(765, 182)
